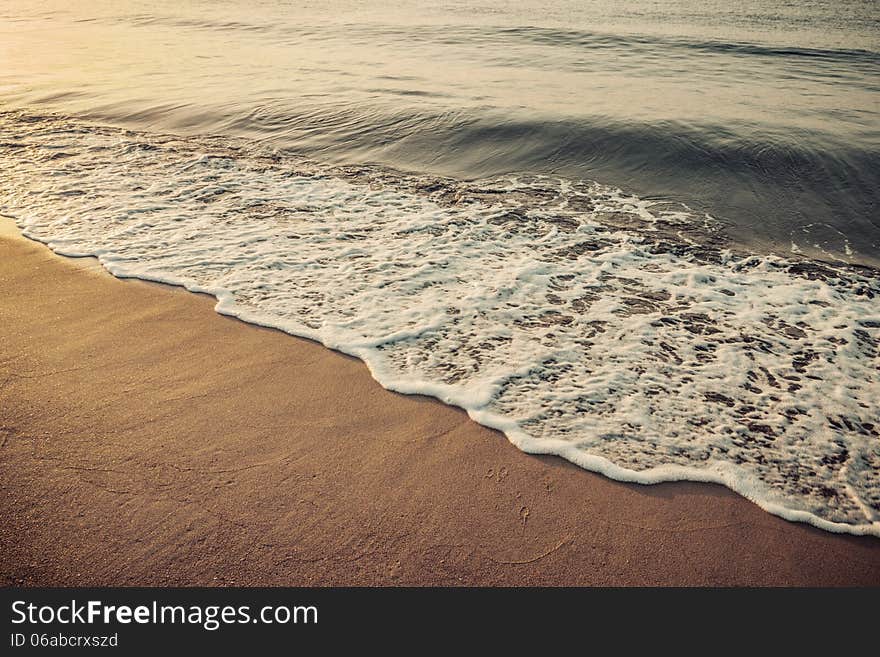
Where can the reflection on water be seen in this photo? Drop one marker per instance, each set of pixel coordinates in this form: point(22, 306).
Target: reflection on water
point(764, 114)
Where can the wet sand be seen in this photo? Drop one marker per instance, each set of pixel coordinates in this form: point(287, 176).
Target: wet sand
point(146, 440)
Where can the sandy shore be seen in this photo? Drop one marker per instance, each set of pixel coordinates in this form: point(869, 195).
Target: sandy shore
point(144, 439)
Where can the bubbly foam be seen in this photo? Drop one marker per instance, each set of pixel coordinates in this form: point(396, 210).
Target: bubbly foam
point(620, 333)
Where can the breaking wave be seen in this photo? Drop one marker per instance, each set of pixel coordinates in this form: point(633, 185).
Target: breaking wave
point(625, 334)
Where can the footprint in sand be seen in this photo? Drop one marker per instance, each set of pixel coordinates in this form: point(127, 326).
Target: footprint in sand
point(498, 475)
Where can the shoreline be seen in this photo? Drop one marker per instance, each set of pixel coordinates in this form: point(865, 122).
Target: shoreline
point(147, 440)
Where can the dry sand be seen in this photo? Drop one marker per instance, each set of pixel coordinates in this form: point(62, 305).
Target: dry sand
point(146, 440)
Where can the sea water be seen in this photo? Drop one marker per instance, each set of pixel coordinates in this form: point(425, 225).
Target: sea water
point(642, 237)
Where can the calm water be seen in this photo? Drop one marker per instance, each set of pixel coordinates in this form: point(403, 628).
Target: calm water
point(762, 113)
point(628, 234)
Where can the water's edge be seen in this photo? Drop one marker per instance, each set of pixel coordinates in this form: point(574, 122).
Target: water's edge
point(729, 478)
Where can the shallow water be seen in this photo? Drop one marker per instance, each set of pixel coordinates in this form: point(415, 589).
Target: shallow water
point(638, 238)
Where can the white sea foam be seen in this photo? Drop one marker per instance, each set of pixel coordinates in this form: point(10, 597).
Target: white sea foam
point(576, 319)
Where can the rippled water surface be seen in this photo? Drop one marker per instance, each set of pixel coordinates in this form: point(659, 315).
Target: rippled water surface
point(763, 113)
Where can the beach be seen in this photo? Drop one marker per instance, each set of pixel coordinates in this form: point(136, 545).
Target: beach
point(640, 239)
point(147, 440)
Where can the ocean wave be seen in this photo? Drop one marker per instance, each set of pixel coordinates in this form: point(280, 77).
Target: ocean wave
point(811, 188)
point(491, 34)
point(626, 334)
point(776, 136)
point(808, 187)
